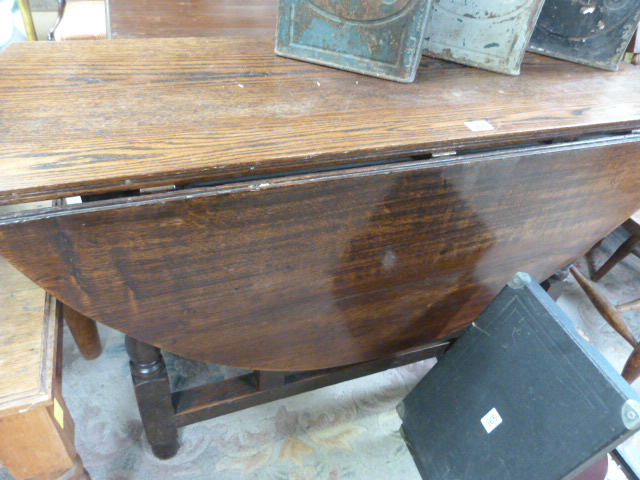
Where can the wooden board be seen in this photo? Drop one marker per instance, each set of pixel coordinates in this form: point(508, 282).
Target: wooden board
point(192, 18)
point(78, 117)
point(27, 341)
point(331, 268)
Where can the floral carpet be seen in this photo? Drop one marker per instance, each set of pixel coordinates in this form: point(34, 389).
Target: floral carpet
point(348, 431)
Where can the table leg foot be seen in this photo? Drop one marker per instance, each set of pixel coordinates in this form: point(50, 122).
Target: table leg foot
point(77, 472)
point(153, 394)
point(84, 331)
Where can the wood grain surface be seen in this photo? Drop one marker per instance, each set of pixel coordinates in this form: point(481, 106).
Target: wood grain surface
point(192, 18)
point(37, 433)
point(81, 117)
point(27, 340)
point(327, 269)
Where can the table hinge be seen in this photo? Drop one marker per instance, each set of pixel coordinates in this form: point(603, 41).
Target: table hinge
point(160, 189)
point(448, 153)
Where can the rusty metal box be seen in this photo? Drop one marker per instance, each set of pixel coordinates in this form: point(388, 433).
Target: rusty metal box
point(488, 34)
point(381, 38)
point(590, 32)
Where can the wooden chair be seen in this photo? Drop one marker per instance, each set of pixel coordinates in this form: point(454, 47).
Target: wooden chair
point(631, 370)
point(629, 246)
point(609, 312)
point(36, 429)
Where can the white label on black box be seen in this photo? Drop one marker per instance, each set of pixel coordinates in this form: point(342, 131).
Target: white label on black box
point(491, 420)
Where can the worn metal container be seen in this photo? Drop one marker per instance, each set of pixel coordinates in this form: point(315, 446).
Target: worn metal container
point(590, 32)
point(489, 34)
point(382, 38)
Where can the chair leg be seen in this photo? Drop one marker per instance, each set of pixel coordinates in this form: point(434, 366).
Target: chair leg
point(153, 393)
point(631, 370)
point(557, 283)
point(605, 308)
point(629, 306)
point(625, 249)
point(85, 333)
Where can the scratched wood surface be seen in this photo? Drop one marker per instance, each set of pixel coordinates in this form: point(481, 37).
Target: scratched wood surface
point(192, 18)
point(328, 269)
point(81, 117)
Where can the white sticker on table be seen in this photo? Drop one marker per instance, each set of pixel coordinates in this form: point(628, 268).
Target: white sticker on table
point(491, 420)
point(479, 126)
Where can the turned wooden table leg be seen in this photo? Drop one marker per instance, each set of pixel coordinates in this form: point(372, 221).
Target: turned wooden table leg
point(84, 331)
point(153, 393)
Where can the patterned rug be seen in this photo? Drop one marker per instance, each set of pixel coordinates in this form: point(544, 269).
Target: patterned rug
point(348, 431)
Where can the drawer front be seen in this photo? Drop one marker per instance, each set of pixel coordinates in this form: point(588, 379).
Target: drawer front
point(327, 269)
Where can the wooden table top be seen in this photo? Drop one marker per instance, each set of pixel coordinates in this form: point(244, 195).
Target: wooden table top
point(88, 116)
point(192, 18)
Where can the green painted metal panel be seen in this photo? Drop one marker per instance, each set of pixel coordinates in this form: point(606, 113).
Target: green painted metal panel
point(381, 38)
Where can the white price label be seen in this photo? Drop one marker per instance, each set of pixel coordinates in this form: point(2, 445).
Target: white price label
point(479, 126)
point(491, 420)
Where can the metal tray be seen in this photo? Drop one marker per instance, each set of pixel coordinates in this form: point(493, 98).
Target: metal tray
point(381, 38)
point(590, 32)
point(487, 34)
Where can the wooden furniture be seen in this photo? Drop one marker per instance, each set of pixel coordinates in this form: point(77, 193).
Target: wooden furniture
point(282, 216)
point(634, 47)
point(631, 370)
point(36, 429)
point(632, 225)
point(611, 313)
point(192, 18)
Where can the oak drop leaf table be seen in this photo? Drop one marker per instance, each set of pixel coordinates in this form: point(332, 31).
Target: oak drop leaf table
point(265, 213)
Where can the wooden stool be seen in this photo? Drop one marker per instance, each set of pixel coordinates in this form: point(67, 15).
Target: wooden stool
point(36, 429)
